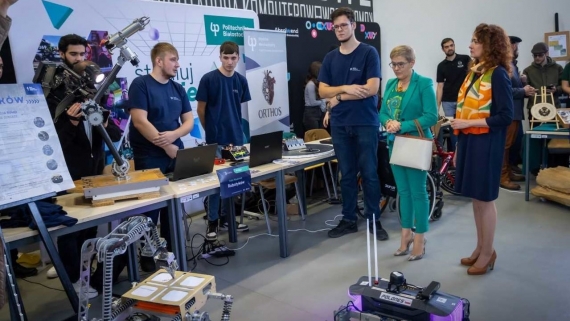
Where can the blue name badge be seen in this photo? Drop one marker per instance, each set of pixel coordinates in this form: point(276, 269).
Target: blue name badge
point(234, 181)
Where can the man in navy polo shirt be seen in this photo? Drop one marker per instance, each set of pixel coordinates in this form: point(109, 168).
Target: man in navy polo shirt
point(220, 95)
point(349, 79)
point(157, 105)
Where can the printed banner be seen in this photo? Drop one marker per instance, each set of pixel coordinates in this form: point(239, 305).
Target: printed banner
point(311, 9)
point(266, 73)
point(193, 30)
point(31, 160)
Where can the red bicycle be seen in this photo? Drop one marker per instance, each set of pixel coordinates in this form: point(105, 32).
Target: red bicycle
point(442, 171)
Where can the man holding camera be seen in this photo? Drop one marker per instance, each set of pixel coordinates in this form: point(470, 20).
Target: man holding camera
point(82, 146)
point(544, 72)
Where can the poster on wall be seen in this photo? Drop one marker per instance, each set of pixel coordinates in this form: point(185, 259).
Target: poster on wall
point(31, 159)
point(196, 32)
point(310, 40)
point(266, 73)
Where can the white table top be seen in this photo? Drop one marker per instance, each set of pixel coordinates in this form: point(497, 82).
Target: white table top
point(210, 181)
point(552, 133)
point(76, 206)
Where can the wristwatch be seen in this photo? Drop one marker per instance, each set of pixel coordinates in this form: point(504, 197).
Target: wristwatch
point(338, 97)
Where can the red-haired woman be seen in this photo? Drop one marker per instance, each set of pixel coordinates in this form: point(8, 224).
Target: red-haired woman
point(484, 111)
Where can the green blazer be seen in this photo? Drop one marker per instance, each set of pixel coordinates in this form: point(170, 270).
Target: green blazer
point(418, 103)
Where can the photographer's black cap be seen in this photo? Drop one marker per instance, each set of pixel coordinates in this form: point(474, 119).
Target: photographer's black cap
point(515, 39)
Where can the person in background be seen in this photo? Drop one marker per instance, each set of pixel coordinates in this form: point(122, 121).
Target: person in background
point(349, 78)
point(450, 74)
point(409, 98)
point(565, 83)
point(484, 112)
point(5, 20)
point(220, 95)
point(83, 150)
point(314, 105)
point(508, 177)
point(157, 105)
point(543, 72)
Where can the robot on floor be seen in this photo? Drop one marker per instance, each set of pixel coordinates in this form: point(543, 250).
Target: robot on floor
point(379, 299)
point(168, 294)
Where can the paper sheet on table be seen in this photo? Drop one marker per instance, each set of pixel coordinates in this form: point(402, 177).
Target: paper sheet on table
point(174, 296)
point(162, 277)
point(144, 291)
point(192, 281)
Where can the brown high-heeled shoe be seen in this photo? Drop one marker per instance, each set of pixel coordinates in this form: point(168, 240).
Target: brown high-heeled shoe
point(473, 270)
point(467, 261)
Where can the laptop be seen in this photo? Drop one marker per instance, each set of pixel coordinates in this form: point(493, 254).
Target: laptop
point(193, 161)
point(265, 148)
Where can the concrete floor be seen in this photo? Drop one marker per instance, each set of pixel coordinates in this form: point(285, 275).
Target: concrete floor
point(528, 283)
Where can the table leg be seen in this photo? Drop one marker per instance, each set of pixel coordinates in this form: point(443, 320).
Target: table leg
point(232, 228)
point(132, 265)
point(302, 198)
point(280, 200)
point(178, 233)
point(54, 256)
point(526, 166)
point(333, 178)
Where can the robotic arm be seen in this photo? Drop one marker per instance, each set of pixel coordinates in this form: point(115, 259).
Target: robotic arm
point(137, 228)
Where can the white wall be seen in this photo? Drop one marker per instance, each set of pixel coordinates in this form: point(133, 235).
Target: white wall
point(423, 24)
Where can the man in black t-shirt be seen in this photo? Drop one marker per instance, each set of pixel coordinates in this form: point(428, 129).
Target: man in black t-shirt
point(451, 73)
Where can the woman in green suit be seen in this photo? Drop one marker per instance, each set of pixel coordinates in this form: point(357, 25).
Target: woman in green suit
point(407, 98)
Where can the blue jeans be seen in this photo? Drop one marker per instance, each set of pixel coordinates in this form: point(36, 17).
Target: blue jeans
point(166, 165)
point(214, 199)
point(356, 150)
point(449, 109)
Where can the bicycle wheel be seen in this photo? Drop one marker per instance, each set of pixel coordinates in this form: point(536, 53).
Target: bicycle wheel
point(448, 182)
point(430, 187)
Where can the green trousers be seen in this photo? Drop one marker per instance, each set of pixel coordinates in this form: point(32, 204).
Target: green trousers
point(414, 203)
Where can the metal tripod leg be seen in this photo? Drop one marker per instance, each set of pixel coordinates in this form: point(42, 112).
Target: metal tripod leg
point(54, 256)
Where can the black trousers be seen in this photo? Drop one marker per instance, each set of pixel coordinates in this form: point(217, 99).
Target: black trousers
point(312, 118)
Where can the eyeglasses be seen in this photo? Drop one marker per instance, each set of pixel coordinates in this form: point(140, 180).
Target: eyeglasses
point(538, 55)
point(398, 65)
point(341, 26)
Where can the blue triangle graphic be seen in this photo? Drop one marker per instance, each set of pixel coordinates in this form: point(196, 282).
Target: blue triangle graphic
point(57, 13)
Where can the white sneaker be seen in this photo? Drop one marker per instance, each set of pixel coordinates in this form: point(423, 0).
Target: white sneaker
point(51, 273)
point(91, 292)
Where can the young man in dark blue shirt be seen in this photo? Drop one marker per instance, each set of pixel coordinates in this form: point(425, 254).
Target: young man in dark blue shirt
point(157, 104)
point(349, 79)
point(220, 95)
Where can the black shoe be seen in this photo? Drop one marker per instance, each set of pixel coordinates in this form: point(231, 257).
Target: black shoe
point(344, 227)
point(212, 231)
point(23, 272)
point(239, 227)
point(381, 234)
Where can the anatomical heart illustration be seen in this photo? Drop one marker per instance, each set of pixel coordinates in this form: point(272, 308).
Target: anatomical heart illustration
point(268, 87)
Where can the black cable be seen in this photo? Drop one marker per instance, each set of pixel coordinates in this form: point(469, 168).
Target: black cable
point(348, 305)
point(45, 286)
